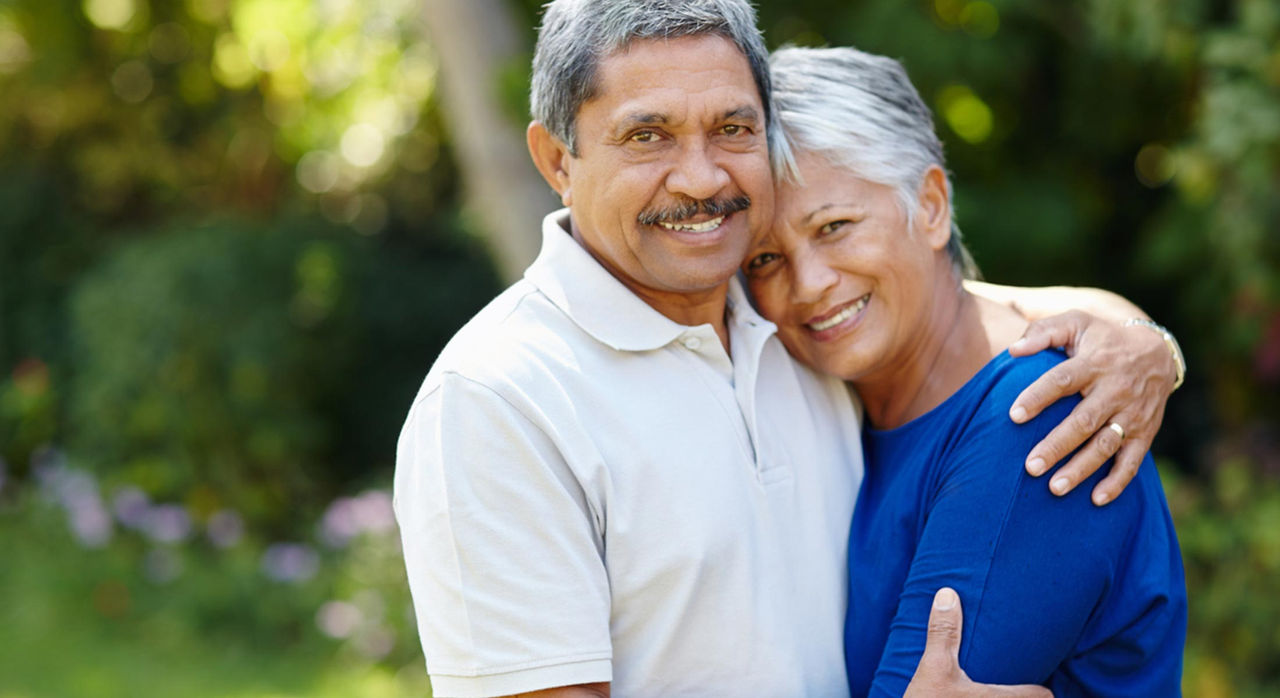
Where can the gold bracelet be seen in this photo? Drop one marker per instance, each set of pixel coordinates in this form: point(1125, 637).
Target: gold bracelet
point(1179, 363)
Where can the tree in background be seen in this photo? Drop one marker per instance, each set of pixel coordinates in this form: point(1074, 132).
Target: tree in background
point(229, 246)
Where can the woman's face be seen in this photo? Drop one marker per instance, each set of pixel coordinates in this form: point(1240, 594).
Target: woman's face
point(841, 274)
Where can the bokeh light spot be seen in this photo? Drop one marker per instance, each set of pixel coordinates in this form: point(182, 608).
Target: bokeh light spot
point(269, 50)
point(231, 64)
point(363, 145)
point(339, 619)
point(980, 19)
point(208, 11)
point(169, 42)
point(1196, 178)
point(132, 81)
point(318, 171)
point(948, 11)
point(417, 78)
point(967, 115)
point(15, 52)
point(31, 377)
point(110, 14)
point(1154, 165)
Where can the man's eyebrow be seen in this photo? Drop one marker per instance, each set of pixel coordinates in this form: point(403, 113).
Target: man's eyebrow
point(635, 119)
point(746, 113)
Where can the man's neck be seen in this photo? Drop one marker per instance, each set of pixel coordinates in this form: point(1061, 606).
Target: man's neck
point(692, 308)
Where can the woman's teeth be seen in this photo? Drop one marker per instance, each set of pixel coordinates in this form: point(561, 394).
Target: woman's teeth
point(695, 227)
point(840, 316)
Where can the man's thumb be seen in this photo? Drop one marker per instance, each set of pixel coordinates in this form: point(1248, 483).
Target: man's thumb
point(945, 624)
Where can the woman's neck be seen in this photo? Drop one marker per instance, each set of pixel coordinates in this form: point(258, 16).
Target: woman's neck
point(959, 335)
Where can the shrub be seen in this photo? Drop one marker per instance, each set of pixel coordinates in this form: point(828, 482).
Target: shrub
point(232, 365)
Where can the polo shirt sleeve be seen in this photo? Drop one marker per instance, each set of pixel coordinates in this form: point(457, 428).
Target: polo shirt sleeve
point(503, 553)
point(1093, 596)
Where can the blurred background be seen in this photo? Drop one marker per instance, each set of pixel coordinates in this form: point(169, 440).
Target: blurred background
point(235, 233)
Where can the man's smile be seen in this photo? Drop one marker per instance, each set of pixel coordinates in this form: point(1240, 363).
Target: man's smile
point(694, 227)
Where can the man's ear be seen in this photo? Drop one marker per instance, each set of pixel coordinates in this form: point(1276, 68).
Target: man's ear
point(551, 157)
point(934, 208)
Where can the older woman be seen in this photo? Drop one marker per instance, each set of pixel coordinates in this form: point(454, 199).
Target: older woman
point(862, 274)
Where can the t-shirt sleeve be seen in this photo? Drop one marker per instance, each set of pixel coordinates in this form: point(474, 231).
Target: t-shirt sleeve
point(1041, 579)
point(503, 553)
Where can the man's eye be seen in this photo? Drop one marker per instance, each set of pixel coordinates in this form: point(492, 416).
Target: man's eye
point(643, 137)
point(761, 260)
point(734, 130)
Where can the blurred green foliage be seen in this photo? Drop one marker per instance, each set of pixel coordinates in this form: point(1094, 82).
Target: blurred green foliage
point(230, 247)
point(229, 244)
point(1229, 530)
point(258, 368)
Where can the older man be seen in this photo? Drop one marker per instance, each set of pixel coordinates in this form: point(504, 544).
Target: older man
point(614, 476)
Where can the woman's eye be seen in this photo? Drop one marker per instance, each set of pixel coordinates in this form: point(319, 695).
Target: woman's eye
point(832, 227)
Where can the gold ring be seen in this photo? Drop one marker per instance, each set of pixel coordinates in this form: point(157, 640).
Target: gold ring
point(1119, 430)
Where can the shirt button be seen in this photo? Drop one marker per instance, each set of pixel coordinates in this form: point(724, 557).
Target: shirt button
point(692, 343)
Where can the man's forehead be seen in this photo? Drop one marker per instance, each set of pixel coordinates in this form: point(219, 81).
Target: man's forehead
point(649, 69)
point(676, 49)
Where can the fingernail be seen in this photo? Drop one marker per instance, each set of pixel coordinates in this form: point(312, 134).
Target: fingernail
point(1036, 466)
point(1018, 344)
point(1060, 485)
point(1100, 498)
point(1018, 413)
point(945, 599)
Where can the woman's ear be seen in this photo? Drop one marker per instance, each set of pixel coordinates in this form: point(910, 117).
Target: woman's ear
point(934, 208)
point(551, 157)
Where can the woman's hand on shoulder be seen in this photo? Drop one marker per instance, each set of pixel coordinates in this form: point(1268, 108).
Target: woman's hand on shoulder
point(1125, 374)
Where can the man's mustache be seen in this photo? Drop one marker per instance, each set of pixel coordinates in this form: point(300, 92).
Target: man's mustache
point(689, 209)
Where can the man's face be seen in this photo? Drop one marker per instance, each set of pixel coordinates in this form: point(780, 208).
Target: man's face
point(671, 183)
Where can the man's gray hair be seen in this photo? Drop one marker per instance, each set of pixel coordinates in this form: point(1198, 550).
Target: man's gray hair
point(577, 34)
point(861, 112)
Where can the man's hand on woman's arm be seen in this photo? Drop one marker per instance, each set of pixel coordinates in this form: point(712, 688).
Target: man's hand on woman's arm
point(1124, 372)
point(939, 672)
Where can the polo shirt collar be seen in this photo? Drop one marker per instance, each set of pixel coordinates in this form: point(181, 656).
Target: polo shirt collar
point(585, 291)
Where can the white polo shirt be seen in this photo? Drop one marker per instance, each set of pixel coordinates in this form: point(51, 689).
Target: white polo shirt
point(588, 491)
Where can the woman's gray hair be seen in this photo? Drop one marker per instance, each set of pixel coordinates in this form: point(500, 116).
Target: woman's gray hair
point(860, 112)
point(577, 34)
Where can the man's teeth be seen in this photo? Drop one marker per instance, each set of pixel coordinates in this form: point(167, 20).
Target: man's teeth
point(840, 316)
point(695, 227)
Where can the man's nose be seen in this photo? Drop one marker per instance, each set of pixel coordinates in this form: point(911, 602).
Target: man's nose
point(696, 174)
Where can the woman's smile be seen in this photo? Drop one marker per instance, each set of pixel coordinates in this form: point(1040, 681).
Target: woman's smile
point(828, 325)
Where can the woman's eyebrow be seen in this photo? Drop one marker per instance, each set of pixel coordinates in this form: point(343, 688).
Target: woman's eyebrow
point(816, 211)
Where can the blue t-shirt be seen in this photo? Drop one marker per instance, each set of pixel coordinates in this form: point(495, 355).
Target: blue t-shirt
point(1055, 591)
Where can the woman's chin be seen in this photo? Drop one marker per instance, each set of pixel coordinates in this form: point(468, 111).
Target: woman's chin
point(846, 365)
